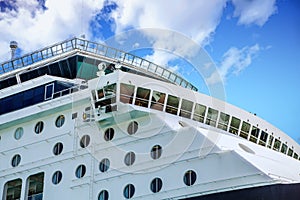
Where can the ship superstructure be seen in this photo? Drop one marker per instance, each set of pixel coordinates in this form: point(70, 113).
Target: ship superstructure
point(80, 120)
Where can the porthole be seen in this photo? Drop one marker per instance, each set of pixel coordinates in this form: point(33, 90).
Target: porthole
point(85, 141)
point(57, 149)
point(39, 127)
point(129, 158)
point(128, 191)
point(60, 120)
point(19, 133)
point(156, 152)
point(190, 177)
point(132, 128)
point(80, 171)
point(56, 177)
point(104, 165)
point(15, 161)
point(109, 134)
point(156, 185)
point(103, 195)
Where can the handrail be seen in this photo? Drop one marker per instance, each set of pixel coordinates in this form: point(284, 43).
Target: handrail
point(99, 49)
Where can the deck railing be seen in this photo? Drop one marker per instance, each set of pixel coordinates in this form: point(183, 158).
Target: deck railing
point(95, 48)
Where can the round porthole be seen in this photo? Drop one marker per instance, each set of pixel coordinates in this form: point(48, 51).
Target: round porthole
point(156, 152)
point(39, 127)
point(103, 195)
point(104, 165)
point(60, 120)
point(57, 149)
point(128, 191)
point(18, 133)
point(80, 171)
point(85, 141)
point(56, 177)
point(129, 158)
point(109, 134)
point(132, 127)
point(15, 161)
point(190, 177)
point(156, 185)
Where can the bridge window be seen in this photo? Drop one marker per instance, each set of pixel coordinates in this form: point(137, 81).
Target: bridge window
point(126, 93)
point(254, 134)
point(186, 108)
point(271, 138)
point(172, 104)
point(12, 189)
point(234, 125)
point(158, 100)
point(223, 121)
point(35, 186)
point(106, 96)
point(295, 155)
point(245, 130)
point(277, 145)
point(290, 152)
point(142, 97)
point(199, 113)
point(283, 148)
point(212, 116)
point(263, 138)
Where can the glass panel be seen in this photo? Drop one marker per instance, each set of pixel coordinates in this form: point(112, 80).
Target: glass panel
point(263, 138)
point(212, 116)
point(126, 93)
point(283, 148)
point(277, 145)
point(223, 121)
point(254, 134)
point(35, 187)
point(245, 130)
point(186, 108)
point(158, 100)
point(234, 125)
point(199, 113)
point(12, 189)
point(290, 152)
point(172, 105)
point(142, 97)
point(271, 138)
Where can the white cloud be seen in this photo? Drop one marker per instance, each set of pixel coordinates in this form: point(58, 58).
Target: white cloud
point(254, 11)
point(195, 19)
point(32, 27)
point(234, 61)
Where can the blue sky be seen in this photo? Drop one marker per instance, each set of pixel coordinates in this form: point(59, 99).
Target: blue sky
point(254, 44)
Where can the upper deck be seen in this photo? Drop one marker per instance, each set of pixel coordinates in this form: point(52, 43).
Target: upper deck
point(10, 70)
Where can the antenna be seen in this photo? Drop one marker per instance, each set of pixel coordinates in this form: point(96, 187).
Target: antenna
point(13, 46)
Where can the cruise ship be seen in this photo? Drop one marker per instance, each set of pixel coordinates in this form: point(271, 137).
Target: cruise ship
point(81, 120)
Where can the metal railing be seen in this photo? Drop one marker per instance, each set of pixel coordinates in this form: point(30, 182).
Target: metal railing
point(98, 49)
